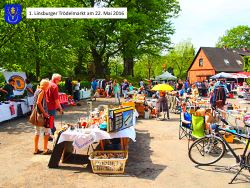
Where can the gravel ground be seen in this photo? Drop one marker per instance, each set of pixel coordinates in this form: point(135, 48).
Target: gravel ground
point(157, 159)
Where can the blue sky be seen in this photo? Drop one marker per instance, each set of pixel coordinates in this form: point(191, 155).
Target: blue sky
point(204, 21)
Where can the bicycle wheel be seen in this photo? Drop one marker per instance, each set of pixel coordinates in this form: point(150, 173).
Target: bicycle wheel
point(248, 161)
point(206, 150)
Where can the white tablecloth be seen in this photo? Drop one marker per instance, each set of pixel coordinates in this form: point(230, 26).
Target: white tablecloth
point(85, 94)
point(5, 113)
point(85, 137)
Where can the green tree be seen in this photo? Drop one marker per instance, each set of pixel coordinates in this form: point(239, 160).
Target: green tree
point(148, 27)
point(149, 65)
point(180, 58)
point(237, 37)
point(247, 63)
point(115, 66)
point(39, 47)
point(78, 47)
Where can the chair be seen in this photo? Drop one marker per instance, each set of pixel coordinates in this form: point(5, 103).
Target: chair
point(195, 131)
point(184, 131)
point(197, 127)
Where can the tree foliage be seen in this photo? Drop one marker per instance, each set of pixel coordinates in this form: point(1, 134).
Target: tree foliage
point(180, 58)
point(85, 47)
point(247, 63)
point(149, 66)
point(237, 37)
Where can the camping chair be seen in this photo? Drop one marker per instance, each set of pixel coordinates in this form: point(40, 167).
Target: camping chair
point(197, 127)
point(184, 131)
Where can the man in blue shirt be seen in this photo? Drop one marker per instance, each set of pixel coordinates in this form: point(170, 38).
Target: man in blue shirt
point(93, 85)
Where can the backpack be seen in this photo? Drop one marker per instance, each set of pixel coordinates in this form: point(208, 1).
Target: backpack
point(219, 97)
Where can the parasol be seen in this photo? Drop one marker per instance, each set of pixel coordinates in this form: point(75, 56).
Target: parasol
point(163, 87)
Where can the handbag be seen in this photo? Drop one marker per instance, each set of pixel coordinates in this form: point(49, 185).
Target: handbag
point(36, 118)
point(33, 116)
point(49, 122)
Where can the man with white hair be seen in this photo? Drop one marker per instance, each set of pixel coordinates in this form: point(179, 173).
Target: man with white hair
point(53, 99)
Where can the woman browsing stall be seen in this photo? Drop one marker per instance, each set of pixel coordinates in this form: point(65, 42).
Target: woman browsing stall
point(40, 102)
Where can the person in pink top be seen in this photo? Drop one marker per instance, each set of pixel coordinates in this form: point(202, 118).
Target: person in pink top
point(53, 99)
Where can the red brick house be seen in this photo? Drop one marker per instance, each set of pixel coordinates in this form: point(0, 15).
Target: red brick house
point(210, 61)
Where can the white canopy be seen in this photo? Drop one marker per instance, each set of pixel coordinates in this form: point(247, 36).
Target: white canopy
point(165, 76)
point(222, 75)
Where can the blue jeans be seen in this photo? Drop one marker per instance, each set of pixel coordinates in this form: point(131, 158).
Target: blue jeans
point(53, 113)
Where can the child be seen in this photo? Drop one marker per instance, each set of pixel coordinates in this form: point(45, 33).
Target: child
point(185, 116)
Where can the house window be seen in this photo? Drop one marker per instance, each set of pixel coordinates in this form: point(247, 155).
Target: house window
point(239, 62)
point(200, 62)
point(226, 62)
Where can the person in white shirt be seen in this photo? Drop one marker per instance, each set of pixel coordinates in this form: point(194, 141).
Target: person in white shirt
point(141, 83)
point(77, 90)
point(30, 93)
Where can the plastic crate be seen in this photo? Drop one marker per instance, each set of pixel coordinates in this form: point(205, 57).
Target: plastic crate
point(108, 166)
point(229, 137)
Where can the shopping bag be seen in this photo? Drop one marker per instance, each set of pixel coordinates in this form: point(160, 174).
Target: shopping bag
point(36, 118)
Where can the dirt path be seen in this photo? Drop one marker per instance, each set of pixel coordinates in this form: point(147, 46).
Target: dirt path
point(157, 159)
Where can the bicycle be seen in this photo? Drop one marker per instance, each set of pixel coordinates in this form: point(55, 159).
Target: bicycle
point(211, 148)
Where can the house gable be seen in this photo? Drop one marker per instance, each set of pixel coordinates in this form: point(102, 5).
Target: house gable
point(201, 68)
point(201, 56)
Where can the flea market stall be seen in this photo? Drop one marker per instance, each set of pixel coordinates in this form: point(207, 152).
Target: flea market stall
point(106, 131)
point(13, 109)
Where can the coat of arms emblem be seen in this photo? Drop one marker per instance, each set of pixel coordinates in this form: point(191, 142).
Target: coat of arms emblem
point(13, 13)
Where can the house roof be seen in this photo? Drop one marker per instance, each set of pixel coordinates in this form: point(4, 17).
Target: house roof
point(224, 59)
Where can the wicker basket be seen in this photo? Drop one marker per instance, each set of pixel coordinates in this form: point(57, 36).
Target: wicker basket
point(108, 166)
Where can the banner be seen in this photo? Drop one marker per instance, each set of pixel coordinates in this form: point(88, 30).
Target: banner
point(19, 78)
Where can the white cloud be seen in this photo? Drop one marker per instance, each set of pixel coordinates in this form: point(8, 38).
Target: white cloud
point(204, 21)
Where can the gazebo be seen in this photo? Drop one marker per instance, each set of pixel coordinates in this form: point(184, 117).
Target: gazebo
point(165, 76)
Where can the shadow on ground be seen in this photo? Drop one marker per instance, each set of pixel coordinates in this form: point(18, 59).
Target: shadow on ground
point(241, 178)
point(139, 162)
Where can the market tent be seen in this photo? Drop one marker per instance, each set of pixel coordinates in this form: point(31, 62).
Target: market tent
point(244, 73)
point(221, 75)
point(239, 75)
point(165, 76)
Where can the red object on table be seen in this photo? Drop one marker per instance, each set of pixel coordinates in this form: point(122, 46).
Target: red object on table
point(63, 98)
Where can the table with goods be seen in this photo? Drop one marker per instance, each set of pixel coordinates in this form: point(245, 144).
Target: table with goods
point(106, 131)
point(13, 109)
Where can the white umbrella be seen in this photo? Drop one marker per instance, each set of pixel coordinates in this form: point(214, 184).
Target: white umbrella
point(222, 75)
point(166, 76)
